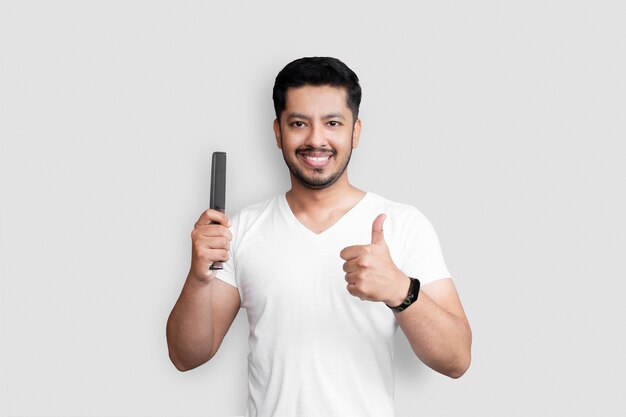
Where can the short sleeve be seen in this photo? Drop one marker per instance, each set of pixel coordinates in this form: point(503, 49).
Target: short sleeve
point(423, 258)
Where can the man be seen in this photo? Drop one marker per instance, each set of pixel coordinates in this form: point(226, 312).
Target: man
point(317, 273)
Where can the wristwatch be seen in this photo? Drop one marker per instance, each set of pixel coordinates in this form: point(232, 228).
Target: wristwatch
point(414, 290)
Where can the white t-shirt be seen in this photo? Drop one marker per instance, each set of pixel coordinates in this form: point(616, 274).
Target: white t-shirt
point(316, 350)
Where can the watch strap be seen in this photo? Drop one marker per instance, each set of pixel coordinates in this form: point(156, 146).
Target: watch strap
point(411, 297)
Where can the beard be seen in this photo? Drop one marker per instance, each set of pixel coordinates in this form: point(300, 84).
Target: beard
point(317, 180)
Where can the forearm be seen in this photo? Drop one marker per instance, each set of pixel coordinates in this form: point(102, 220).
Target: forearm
point(440, 339)
point(190, 328)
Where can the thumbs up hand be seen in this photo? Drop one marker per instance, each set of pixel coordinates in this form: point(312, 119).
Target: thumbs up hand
point(370, 271)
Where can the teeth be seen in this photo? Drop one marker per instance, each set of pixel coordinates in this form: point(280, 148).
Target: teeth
point(317, 158)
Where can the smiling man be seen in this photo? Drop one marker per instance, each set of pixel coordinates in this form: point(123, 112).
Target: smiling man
point(314, 162)
point(324, 285)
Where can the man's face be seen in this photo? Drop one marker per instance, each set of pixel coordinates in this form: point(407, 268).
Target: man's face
point(316, 133)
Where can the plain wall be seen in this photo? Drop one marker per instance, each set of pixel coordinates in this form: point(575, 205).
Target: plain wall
point(503, 122)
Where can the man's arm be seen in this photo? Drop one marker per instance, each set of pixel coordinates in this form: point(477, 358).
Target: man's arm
point(435, 324)
point(437, 328)
point(207, 306)
point(199, 321)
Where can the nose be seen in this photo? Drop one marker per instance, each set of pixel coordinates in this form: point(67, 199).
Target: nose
point(316, 137)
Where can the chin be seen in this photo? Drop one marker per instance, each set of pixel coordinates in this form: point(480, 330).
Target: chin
point(317, 183)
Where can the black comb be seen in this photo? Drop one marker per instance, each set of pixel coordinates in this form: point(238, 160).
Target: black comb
point(218, 190)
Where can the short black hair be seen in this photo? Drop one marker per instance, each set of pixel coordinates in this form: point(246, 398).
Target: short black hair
point(317, 71)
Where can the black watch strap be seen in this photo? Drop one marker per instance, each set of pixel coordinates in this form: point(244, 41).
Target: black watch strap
point(414, 290)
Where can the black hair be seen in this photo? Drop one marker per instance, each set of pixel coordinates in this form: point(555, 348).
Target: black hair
point(317, 71)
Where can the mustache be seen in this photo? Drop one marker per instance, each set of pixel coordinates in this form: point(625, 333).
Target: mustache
point(309, 149)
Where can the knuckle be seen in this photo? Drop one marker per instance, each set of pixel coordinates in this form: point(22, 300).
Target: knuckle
point(197, 257)
point(196, 246)
point(220, 242)
point(363, 291)
point(225, 243)
point(216, 229)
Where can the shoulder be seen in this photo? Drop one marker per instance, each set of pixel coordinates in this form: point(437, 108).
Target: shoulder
point(413, 240)
point(253, 213)
point(258, 207)
point(394, 209)
point(403, 222)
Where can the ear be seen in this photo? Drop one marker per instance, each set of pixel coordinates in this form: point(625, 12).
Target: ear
point(277, 133)
point(356, 133)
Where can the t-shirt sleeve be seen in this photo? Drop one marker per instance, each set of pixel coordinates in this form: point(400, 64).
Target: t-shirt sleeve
point(228, 273)
point(423, 258)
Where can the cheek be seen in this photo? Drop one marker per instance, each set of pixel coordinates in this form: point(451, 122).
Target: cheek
point(293, 140)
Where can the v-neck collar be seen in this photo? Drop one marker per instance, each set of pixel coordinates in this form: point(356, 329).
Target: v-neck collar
point(291, 217)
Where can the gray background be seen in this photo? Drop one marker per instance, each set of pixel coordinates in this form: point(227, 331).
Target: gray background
point(502, 121)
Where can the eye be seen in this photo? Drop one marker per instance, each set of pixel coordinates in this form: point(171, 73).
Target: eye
point(298, 123)
point(334, 123)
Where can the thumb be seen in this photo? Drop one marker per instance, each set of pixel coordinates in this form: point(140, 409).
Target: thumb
point(378, 236)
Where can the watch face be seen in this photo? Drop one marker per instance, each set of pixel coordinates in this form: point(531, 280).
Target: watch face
point(414, 289)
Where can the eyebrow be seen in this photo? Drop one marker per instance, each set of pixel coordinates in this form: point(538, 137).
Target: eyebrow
point(305, 117)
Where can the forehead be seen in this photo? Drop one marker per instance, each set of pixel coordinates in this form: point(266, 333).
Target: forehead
point(313, 99)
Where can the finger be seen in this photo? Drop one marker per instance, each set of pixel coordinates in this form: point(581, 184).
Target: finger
point(219, 255)
point(350, 278)
point(208, 256)
point(206, 247)
point(378, 236)
point(351, 265)
point(217, 242)
point(211, 230)
point(355, 291)
point(213, 216)
point(352, 252)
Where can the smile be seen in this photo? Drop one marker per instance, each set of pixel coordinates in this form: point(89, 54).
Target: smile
point(316, 159)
